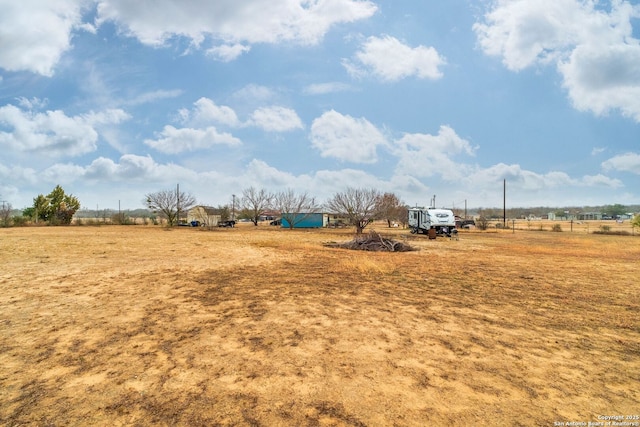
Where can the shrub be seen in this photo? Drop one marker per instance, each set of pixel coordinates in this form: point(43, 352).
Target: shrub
point(556, 228)
point(20, 221)
point(614, 233)
point(121, 219)
point(482, 223)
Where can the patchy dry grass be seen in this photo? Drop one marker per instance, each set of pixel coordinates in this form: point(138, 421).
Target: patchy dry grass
point(140, 326)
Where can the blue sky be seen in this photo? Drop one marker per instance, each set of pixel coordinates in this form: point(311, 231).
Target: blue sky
point(113, 99)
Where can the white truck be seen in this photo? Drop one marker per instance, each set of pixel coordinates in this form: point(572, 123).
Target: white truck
point(441, 221)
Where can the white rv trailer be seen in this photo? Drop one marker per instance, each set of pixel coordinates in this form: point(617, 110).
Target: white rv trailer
point(422, 220)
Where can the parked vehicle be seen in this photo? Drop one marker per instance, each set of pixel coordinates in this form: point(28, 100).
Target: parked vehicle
point(465, 223)
point(227, 223)
point(441, 221)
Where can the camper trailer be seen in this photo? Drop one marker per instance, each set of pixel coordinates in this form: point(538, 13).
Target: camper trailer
point(441, 221)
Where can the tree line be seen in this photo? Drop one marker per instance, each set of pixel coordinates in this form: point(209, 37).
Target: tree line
point(358, 206)
point(56, 208)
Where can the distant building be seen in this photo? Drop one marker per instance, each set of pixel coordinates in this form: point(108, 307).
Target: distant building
point(589, 216)
point(206, 216)
point(269, 215)
point(305, 220)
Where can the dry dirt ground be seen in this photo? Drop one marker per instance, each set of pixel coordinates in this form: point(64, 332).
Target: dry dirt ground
point(137, 326)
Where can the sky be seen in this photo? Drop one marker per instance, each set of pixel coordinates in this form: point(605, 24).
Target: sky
point(114, 99)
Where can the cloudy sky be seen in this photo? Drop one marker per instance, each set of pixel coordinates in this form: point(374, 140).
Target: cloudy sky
point(113, 99)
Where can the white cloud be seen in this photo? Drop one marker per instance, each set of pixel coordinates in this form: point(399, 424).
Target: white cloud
point(53, 132)
point(253, 94)
point(228, 52)
point(150, 97)
point(517, 178)
point(321, 185)
point(601, 181)
point(276, 119)
point(206, 111)
point(199, 134)
point(260, 171)
point(483, 186)
point(389, 59)
point(629, 162)
point(111, 116)
point(325, 88)
point(594, 50)
point(525, 32)
point(603, 79)
point(62, 173)
point(271, 119)
point(346, 138)
point(300, 21)
point(525, 182)
point(425, 155)
point(134, 167)
point(17, 174)
point(172, 140)
point(33, 103)
point(34, 34)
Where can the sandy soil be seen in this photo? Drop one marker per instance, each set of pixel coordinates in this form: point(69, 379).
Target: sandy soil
point(115, 326)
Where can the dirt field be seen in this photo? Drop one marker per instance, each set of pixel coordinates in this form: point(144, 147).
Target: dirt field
point(136, 326)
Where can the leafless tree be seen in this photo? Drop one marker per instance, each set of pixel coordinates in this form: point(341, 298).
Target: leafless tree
point(170, 203)
point(5, 214)
point(359, 205)
point(255, 202)
point(482, 223)
point(295, 208)
point(390, 208)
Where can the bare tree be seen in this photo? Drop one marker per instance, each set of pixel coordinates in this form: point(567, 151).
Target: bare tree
point(255, 202)
point(295, 208)
point(169, 203)
point(5, 214)
point(390, 208)
point(359, 205)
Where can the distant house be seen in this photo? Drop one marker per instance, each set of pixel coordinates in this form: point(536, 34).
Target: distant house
point(269, 215)
point(589, 216)
point(206, 216)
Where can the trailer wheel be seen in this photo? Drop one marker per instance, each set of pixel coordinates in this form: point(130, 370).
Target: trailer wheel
point(414, 230)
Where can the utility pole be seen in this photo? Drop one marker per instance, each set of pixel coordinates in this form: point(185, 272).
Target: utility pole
point(504, 203)
point(178, 203)
point(233, 208)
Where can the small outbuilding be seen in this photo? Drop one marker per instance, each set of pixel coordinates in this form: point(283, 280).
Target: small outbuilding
point(305, 220)
point(205, 216)
point(589, 216)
